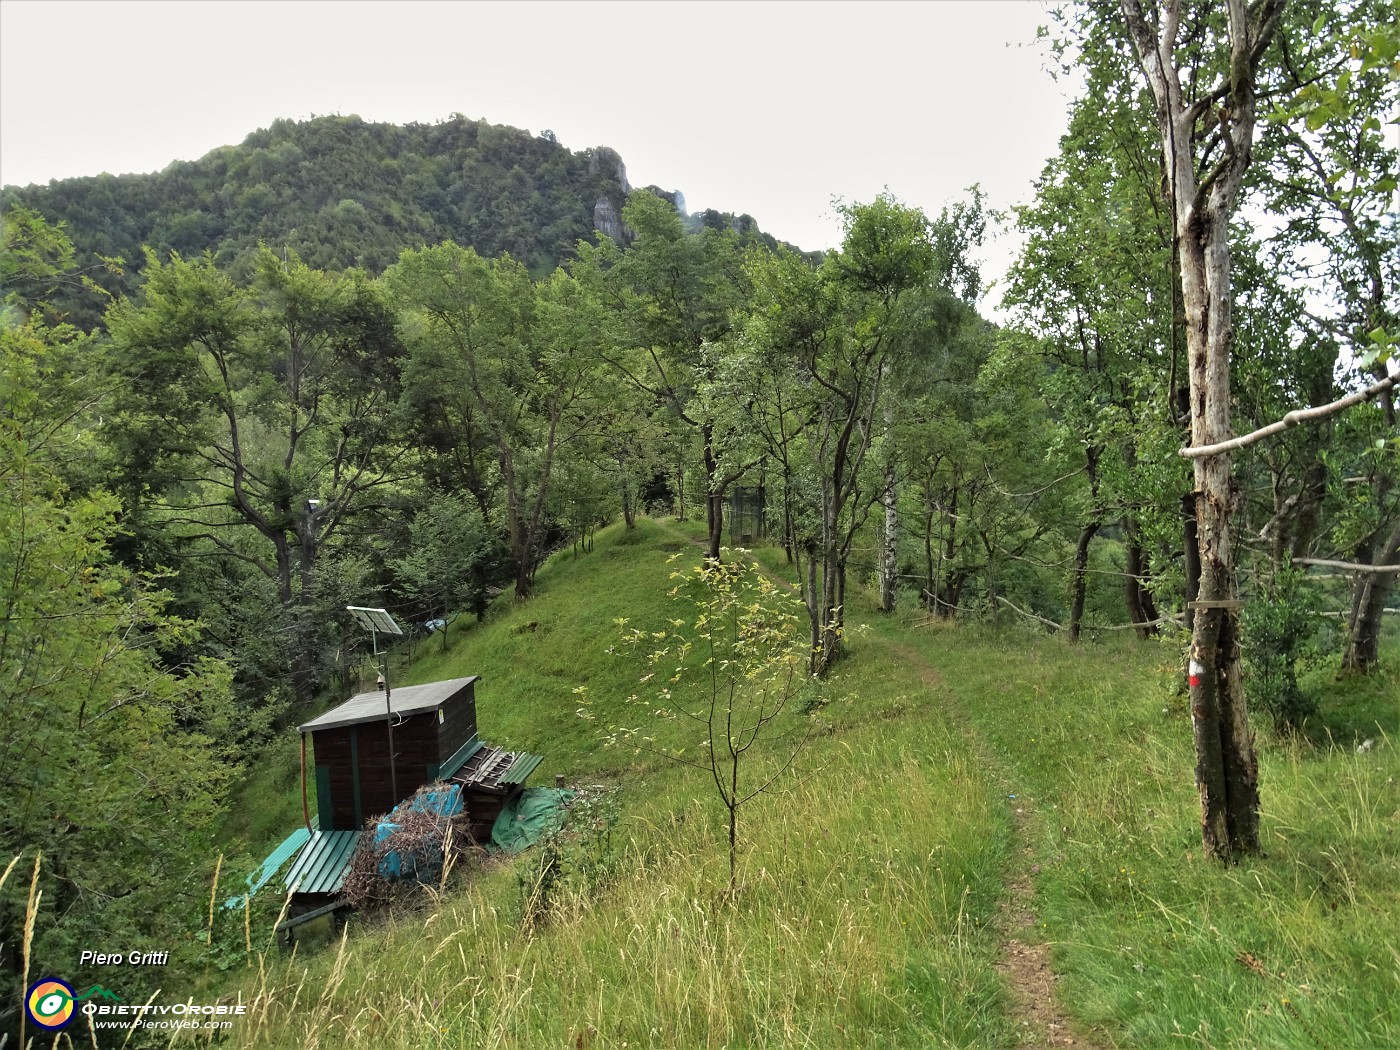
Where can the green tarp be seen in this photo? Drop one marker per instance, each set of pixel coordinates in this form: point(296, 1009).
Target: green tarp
point(534, 813)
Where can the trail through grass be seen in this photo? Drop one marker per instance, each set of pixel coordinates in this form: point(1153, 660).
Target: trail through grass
point(882, 883)
point(1295, 948)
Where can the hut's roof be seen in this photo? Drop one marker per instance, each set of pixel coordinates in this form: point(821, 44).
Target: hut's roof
point(404, 700)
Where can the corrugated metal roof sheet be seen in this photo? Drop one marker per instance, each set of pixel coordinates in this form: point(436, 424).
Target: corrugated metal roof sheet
point(495, 769)
point(322, 865)
point(404, 700)
point(269, 868)
point(462, 757)
point(519, 771)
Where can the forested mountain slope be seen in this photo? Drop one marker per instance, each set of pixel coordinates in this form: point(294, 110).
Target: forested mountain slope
point(340, 192)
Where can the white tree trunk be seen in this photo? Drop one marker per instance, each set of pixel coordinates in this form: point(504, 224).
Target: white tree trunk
point(889, 542)
point(1227, 774)
point(889, 547)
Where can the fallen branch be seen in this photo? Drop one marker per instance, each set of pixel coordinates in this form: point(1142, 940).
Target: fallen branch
point(1030, 615)
point(1175, 620)
point(1298, 415)
point(1349, 566)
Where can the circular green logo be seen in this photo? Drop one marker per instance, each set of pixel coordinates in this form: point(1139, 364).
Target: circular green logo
point(50, 1003)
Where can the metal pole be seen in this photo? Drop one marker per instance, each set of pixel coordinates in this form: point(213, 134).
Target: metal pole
point(375, 620)
point(389, 722)
point(305, 810)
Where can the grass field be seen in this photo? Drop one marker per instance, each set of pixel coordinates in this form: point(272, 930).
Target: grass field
point(964, 789)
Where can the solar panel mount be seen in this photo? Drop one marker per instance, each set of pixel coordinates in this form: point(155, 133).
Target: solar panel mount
point(376, 620)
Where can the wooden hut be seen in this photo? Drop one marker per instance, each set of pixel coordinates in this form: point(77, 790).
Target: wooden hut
point(435, 739)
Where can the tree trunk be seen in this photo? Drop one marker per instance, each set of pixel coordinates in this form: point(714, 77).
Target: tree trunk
point(810, 597)
point(1369, 592)
point(631, 497)
point(1142, 607)
point(1191, 555)
point(930, 571)
point(1227, 774)
point(731, 800)
point(953, 579)
point(1368, 598)
point(789, 546)
point(953, 582)
point(295, 619)
point(1309, 511)
point(1080, 578)
point(829, 610)
point(714, 501)
point(889, 496)
point(889, 547)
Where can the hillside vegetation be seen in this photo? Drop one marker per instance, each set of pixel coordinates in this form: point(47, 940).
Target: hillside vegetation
point(971, 796)
point(340, 192)
point(419, 368)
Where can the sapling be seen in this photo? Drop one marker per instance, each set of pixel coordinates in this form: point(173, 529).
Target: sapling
point(732, 665)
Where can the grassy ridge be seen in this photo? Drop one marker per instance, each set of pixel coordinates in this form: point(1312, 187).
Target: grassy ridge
point(1296, 948)
point(872, 879)
point(532, 656)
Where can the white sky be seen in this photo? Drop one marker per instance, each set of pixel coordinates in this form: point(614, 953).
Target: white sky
point(767, 108)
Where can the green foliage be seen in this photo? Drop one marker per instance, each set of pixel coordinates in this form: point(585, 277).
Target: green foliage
point(733, 666)
point(826, 345)
point(339, 192)
point(445, 567)
point(35, 259)
point(573, 862)
point(115, 758)
point(256, 419)
point(1281, 630)
point(1153, 943)
point(671, 292)
point(875, 899)
point(241, 385)
point(503, 372)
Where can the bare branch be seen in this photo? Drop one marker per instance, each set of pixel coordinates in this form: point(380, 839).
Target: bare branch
point(1298, 415)
point(1029, 615)
point(1350, 566)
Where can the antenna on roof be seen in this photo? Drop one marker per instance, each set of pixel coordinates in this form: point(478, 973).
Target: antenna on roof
point(377, 622)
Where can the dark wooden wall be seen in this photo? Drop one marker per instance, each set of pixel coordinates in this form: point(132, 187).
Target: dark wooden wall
point(422, 745)
point(415, 741)
point(459, 723)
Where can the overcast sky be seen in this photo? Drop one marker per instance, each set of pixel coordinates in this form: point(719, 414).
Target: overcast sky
point(767, 108)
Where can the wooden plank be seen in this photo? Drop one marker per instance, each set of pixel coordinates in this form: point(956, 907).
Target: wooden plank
point(355, 775)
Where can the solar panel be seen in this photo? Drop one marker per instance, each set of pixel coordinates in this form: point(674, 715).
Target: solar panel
point(377, 620)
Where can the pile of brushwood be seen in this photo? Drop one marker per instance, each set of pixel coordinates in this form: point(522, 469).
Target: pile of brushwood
point(416, 846)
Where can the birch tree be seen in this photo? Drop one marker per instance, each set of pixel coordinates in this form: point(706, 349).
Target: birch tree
point(1202, 77)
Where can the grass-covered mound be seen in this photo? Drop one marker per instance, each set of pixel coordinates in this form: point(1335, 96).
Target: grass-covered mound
point(876, 879)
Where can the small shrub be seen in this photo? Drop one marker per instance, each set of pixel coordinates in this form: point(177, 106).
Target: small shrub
point(575, 860)
point(1281, 628)
point(418, 853)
